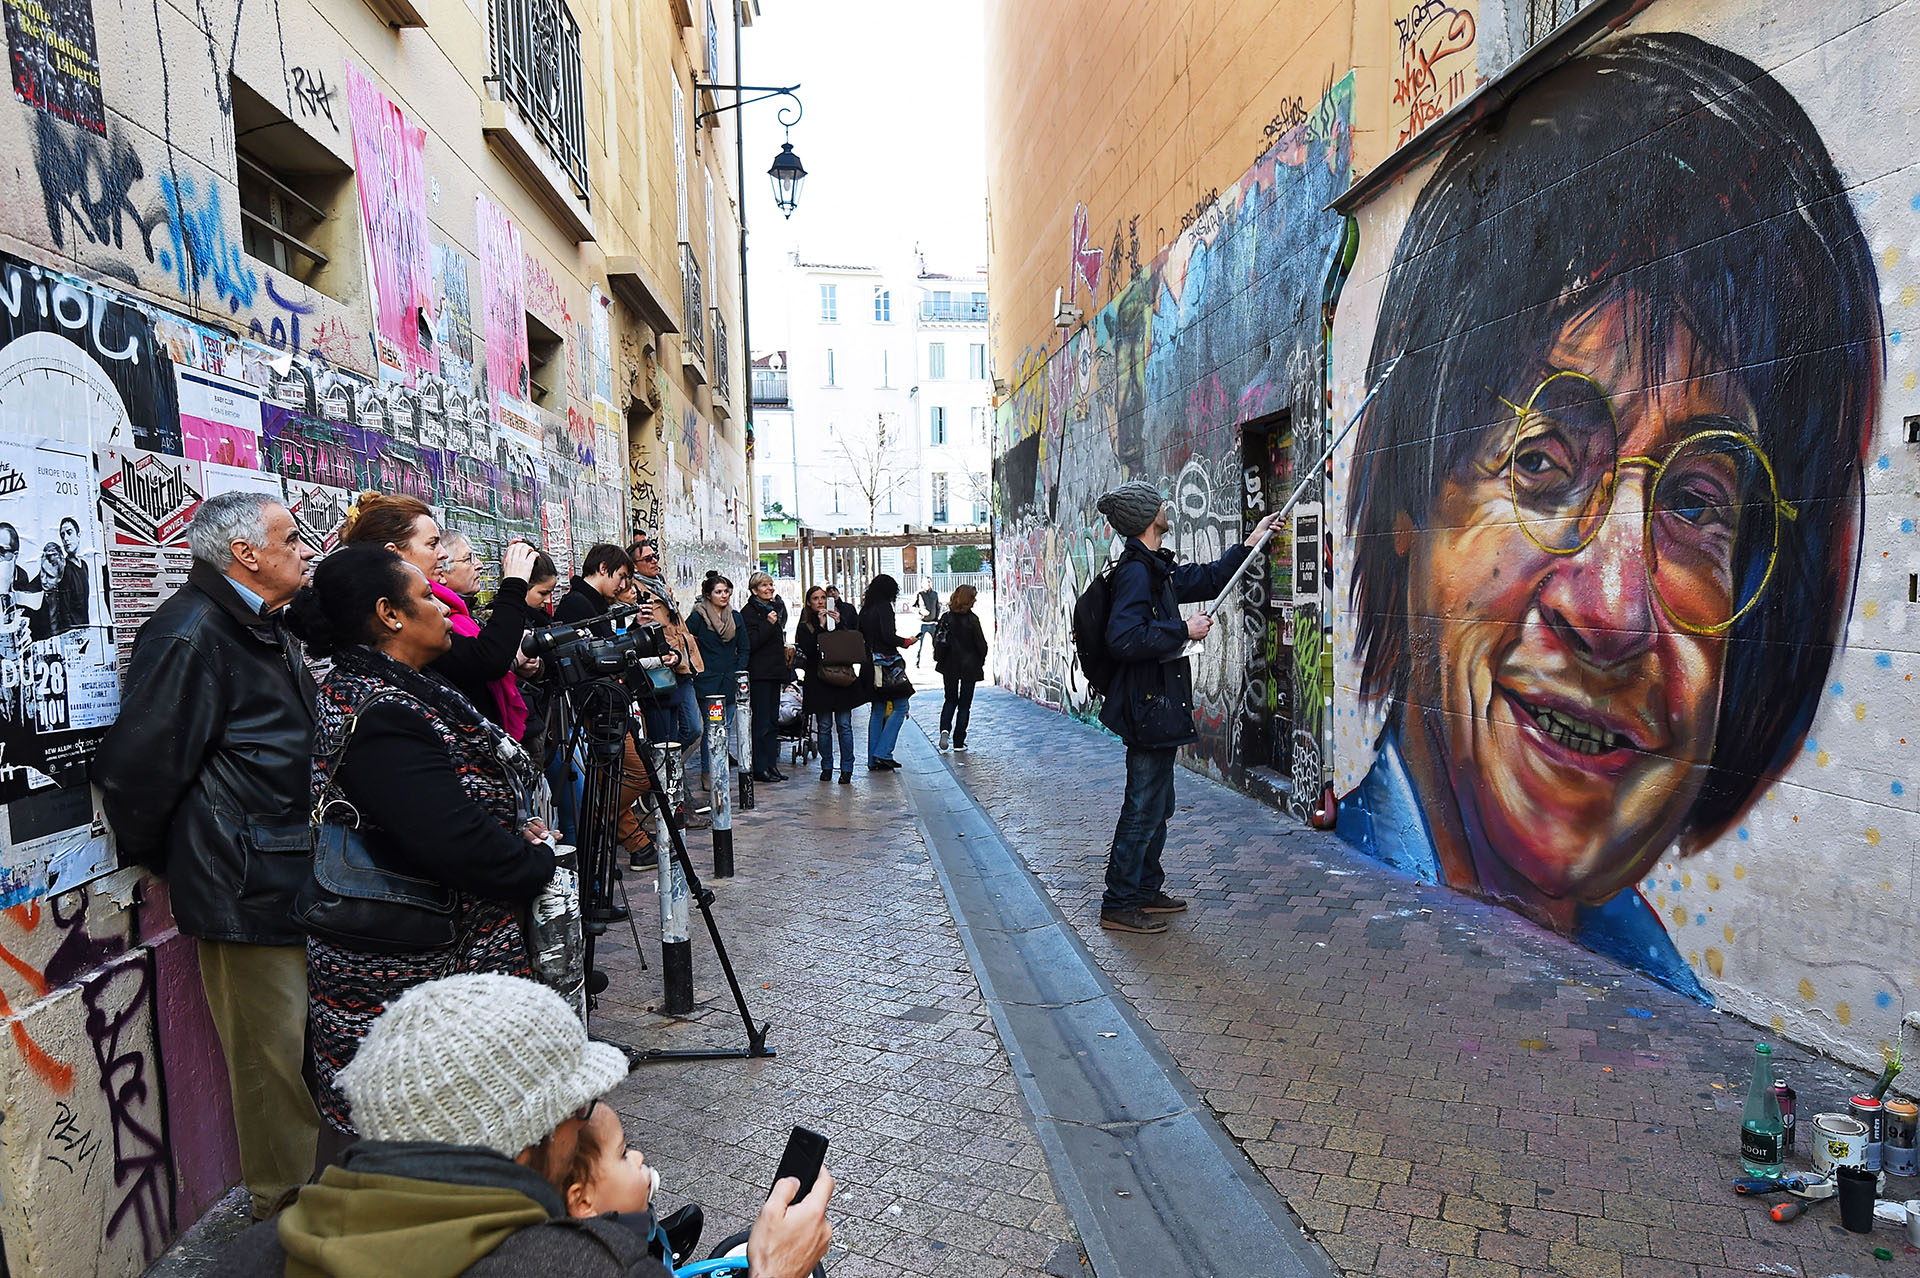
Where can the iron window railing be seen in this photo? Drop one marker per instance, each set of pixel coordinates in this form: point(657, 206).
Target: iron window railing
point(722, 378)
point(694, 329)
point(536, 63)
point(953, 312)
point(1544, 15)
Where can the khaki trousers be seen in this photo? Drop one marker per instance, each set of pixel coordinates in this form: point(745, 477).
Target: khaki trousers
point(258, 997)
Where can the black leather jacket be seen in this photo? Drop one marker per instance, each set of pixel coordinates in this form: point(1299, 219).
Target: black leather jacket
point(207, 775)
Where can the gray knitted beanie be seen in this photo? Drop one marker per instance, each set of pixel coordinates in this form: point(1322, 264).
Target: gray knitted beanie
point(476, 1060)
point(1132, 507)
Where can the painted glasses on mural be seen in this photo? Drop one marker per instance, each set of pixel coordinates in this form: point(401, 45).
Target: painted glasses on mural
point(1606, 513)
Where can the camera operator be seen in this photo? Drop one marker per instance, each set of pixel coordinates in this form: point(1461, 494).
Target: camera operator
point(604, 573)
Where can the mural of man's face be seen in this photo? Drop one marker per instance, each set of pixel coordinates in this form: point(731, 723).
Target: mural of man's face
point(1577, 716)
point(70, 536)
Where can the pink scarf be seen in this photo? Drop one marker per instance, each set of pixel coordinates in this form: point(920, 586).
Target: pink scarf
point(506, 692)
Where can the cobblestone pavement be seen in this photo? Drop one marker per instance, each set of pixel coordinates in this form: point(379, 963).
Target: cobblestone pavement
point(843, 941)
point(1436, 1085)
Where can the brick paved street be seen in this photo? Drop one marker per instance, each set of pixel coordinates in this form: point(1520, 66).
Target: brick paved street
point(1437, 1086)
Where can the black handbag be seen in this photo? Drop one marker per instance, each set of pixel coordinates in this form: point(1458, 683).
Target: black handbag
point(890, 678)
point(354, 901)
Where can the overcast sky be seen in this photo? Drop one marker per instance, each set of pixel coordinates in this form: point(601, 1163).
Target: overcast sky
point(893, 135)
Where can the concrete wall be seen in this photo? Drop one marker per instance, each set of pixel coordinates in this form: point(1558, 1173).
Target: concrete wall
point(148, 358)
point(1747, 834)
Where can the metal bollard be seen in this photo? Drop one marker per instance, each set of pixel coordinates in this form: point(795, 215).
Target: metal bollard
point(676, 948)
point(716, 708)
point(743, 714)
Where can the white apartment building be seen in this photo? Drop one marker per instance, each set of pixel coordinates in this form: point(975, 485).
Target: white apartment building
point(873, 416)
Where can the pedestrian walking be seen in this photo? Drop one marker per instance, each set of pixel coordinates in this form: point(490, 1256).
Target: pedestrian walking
point(405, 526)
point(722, 636)
point(890, 687)
point(768, 671)
point(833, 653)
point(1149, 705)
point(205, 779)
point(456, 587)
point(960, 655)
point(436, 789)
point(928, 602)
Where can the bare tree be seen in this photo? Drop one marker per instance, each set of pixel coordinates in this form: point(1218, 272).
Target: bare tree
point(877, 468)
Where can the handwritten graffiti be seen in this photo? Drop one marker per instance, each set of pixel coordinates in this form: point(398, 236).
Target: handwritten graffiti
point(1291, 115)
point(86, 183)
point(118, 1025)
point(1193, 216)
point(313, 95)
point(72, 1145)
point(1436, 63)
point(203, 253)
point(1086, 259)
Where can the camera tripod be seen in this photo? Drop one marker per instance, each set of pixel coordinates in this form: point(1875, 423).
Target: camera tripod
point(604, 723)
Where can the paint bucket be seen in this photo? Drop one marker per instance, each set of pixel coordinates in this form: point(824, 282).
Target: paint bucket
point(1839, 1140)
point(1913, 1222)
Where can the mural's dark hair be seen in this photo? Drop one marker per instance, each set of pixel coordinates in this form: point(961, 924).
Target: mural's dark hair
point(1668, 169)
point(604, 559)
point(335, 610)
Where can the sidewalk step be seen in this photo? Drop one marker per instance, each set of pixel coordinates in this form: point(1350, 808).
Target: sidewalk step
point(1152, 1182)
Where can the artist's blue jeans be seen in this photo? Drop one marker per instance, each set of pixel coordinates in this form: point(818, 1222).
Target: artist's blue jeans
point(1134, 875)
point(883, 728)
point(828, 724)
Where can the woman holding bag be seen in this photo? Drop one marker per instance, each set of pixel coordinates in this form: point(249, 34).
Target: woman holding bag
point(437, 793)
point(890, 685)
point(834, 655)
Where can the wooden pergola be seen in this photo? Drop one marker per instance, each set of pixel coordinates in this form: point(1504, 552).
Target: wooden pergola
point(839, 548)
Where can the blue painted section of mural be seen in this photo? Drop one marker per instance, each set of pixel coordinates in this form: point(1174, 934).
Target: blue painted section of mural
point(1221, 328)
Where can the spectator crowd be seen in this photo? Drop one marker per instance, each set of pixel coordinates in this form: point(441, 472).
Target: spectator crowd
point(355, 777)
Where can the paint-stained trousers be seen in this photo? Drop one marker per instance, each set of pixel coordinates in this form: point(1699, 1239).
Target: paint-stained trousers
point(258, 997)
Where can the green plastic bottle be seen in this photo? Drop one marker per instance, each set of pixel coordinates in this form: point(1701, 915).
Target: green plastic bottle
point(1762, 1130)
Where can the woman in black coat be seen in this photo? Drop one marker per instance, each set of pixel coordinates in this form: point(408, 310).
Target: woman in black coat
point(960, 655)
point(765, 615)
point(441, 793)
point(830, 704)
point(885, 643)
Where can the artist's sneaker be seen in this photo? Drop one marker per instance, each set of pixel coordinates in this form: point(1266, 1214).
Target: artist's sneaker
point(946, 738)
point(1163, 904)
point(1130, 920)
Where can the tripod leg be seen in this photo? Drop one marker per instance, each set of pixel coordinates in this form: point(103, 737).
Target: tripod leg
point(702, 897)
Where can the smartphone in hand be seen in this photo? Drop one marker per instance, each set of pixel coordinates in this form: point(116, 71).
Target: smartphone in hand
point(806, 1151)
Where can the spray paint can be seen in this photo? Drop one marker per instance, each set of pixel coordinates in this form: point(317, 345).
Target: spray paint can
point(1899, 1153)
point(1786, 1096)
point(1870, 1112)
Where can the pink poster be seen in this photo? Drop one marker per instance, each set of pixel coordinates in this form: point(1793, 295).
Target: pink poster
point(390, 166)
point(504, 295)
point(219, 419)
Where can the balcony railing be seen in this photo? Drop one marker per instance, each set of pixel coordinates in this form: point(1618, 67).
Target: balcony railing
point(770, 386)
point(693, 328)
point(953, 313)
point(536, 62)
point(722, 377)
point(1544, 15)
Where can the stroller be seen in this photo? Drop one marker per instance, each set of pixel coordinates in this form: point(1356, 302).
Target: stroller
point(793, 727)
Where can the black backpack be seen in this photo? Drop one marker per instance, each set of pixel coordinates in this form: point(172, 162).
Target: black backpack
point(942, 638)
point(1091, 611)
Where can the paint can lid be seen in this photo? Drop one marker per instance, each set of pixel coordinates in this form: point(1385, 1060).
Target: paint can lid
point(1865, 1102)
point(1906, 1109)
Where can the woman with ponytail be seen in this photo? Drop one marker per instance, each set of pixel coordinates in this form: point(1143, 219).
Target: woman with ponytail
point(476, 661)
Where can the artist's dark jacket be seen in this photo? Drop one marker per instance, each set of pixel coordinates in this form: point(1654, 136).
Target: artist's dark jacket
point(1150, 704)
point(413, 1209)
point(766, 638)
point(207, 774)
point(475, 661)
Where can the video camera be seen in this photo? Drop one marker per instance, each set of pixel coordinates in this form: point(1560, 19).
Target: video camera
point(578, 656)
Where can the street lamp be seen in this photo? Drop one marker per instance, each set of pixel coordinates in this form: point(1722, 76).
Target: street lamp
point(787, 174)
point(787, 171)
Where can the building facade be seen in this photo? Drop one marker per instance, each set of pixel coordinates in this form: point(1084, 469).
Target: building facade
point(484, 253)
point(874, 417)
point(1603, 610)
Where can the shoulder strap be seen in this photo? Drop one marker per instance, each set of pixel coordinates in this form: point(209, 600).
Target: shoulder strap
point(330, 795)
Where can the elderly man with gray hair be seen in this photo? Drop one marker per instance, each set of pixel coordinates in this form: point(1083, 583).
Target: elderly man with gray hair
point(206, 779)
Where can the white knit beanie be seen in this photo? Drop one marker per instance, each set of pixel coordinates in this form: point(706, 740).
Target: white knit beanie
point(476, 1060)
